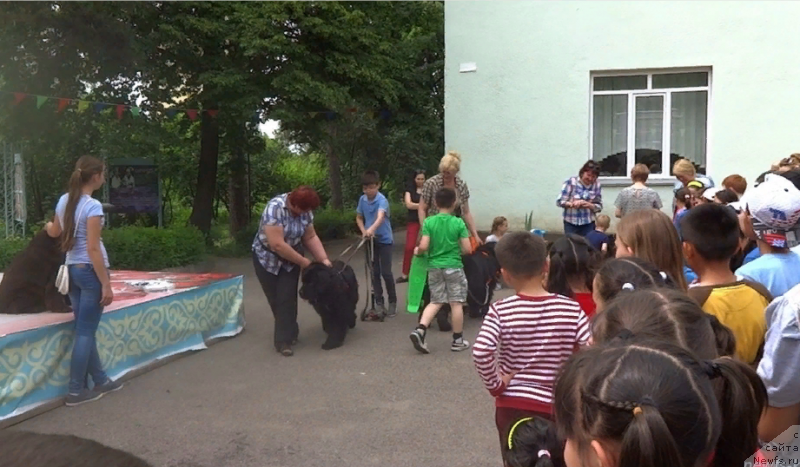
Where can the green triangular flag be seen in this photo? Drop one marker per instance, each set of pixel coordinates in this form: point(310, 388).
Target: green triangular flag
point(40, 100)
point(135, 111)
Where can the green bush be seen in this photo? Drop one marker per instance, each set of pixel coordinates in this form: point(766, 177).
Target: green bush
point(9, 249)
point(135, 248)
point(399, 215)
point(151, 249)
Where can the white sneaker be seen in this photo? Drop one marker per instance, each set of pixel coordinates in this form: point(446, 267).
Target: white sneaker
point(459, 344)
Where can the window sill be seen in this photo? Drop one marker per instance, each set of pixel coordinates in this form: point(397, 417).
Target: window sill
point(626, 181)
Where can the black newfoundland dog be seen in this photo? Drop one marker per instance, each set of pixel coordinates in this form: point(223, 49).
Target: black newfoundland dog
point(333, 292)
point(29, 283)
point(481, 268)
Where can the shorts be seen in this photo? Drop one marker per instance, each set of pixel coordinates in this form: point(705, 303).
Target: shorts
point(447, 285)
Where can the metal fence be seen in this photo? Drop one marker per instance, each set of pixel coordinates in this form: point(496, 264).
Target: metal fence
point(14, 201)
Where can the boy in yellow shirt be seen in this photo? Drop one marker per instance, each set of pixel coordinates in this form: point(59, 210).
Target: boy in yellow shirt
point(710, 238)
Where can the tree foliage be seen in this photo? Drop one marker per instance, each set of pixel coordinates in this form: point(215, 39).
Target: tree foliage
point(372, 70)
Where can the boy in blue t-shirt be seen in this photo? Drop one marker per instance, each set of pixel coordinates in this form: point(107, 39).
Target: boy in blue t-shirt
point(372, 217)
point(598, 237)
point(771, 216)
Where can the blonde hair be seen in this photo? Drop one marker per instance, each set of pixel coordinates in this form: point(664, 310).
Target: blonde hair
point(684, 167)
point(651, 236)
point(497, 222)
point(639, 173)
point(451, 162)
point(603, 221)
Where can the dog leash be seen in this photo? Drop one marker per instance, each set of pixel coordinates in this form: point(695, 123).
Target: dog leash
point(357, 246)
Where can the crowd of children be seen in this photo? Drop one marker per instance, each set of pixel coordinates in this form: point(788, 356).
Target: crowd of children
point(674, 344)
point(683, 350)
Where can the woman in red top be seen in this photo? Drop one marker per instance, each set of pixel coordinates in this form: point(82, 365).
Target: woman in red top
point(572, 264)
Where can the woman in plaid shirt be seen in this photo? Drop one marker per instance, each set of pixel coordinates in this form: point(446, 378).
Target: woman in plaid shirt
point(285, 232)
point(581, 199)
point(448, 177)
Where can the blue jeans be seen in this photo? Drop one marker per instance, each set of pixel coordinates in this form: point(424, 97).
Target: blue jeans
point(581, 230)
point(85, 293)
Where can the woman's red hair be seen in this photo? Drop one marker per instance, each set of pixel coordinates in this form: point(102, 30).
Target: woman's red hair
point(304, 198)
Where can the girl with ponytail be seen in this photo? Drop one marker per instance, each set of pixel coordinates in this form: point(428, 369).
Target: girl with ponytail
point(78, 222)
point(664, 314)
point(532, 442)
point(626, 274)
point(631, 403)
point(572, 264)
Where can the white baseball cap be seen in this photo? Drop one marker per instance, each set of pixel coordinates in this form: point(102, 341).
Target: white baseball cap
point(774, 206)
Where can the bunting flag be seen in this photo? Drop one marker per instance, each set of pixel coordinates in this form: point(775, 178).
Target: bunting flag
point(62, 104)
point(100, 107)
point(313, 114)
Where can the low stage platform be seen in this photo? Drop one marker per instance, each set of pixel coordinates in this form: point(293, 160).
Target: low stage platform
point(137, 330)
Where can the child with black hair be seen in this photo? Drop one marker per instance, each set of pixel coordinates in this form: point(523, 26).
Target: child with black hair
point(710, 239)
point(645, 402)
point(683, 202)
point(726, 196)
point(629, 273)
point(445, 237)
point(532, 442)
point(372, 218)
point(526, 338)
point(671, 316)
point(572, 264)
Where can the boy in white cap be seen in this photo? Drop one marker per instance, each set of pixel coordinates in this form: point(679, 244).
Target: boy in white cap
point(771, 216)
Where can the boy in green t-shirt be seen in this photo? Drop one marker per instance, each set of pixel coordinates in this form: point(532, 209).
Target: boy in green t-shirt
point(445, 238)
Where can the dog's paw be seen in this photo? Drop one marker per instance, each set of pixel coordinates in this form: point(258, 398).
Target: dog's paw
point(328, 345)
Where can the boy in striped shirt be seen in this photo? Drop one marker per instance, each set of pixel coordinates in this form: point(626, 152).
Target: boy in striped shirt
point(526, 338)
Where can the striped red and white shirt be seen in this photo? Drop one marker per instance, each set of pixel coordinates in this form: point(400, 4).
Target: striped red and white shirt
point(531, 337)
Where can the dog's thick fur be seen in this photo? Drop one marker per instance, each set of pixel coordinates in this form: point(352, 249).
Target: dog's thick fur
point(333, 292)
point(481, 268)
point(29, 283)
point(26, 449)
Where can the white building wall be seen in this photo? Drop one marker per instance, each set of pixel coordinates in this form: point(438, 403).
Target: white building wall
point(521, 121)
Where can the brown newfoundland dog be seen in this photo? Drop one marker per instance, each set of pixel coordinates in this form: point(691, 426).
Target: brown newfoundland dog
point(29, 283)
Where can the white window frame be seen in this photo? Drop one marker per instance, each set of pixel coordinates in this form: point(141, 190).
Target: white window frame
point(666, 176)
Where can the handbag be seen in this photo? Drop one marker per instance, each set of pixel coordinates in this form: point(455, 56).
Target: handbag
point(62, 279)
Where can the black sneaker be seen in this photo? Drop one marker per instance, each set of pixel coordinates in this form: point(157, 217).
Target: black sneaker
point(391, 312)
point(87, 395)
point(418, 339)
point(109, 386)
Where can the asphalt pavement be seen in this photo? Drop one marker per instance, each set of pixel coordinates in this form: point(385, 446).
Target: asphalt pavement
point(373, 402)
